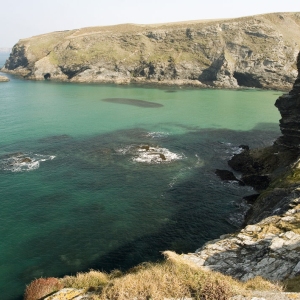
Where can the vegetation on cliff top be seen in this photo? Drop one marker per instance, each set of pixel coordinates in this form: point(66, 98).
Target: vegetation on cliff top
point(173, 278)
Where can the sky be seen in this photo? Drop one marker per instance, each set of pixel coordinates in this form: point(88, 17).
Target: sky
point(25, 18)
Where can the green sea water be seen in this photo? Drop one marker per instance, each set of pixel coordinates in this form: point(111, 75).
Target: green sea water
point(78, 190)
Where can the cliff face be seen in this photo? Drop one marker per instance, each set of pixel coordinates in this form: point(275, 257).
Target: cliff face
point(289, 108)
point(257, 51)
point(269, 244)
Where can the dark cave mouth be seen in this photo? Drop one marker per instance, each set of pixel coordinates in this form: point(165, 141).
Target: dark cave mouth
point(47, 76)
point(247, 79)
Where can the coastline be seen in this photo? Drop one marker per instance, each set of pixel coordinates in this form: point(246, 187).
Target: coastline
point(215, 53)
point(142, 82)
point(267, 247)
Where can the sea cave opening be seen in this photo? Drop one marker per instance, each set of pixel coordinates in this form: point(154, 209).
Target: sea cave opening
point(47, 76)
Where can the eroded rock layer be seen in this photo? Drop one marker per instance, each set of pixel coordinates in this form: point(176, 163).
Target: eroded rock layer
point(269, 249)
point(257, 51)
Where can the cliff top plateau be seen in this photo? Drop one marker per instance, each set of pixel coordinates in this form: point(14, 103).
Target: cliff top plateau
point(257, 51)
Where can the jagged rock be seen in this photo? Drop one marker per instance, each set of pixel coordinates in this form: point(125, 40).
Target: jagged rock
point(251, 198)
point(227, 176)
point(257, 51)
point(242, 162)
point(70, 293)
point(258, 182)
point(289, 108)
point(268, 249)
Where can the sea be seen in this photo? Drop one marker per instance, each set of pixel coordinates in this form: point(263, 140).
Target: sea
point(104, 177)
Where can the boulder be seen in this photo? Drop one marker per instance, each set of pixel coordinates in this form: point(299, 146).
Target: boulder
point(227, 176)
point(3, 78)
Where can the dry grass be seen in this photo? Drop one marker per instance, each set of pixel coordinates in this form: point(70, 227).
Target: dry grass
point(261, 284)
point(167, 280)
point(42, 287)
point(92, 279)
point(174, 278)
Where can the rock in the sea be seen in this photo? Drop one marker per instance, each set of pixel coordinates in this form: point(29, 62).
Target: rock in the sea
point(227, 176)
point(3, 78)
point(258, 182)
point(251, 198)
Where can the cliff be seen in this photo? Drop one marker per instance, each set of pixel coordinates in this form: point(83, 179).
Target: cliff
point(257, 51)
point(269, 244)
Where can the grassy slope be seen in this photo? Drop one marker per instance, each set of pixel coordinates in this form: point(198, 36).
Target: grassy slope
point(173, 278)
point(129, 43)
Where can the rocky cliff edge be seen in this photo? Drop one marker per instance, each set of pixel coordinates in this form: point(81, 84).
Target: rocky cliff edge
point(269, 245)
point(257, 51)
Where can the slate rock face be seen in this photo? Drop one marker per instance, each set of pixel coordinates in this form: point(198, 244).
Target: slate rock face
point(269, 249)
point(289, 108)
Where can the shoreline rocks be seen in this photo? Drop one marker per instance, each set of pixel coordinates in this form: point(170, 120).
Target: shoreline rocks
point(3, 79)
point(269, 249)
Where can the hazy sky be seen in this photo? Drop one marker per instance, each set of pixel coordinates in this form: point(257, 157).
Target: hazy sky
point(25, 18)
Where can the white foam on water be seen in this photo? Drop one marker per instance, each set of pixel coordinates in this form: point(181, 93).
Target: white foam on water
point(200, 162)
point(237, 150)
point(22, 162)
point(124, 150)
point(157, 134)
point(156, 155)
point(180, 176)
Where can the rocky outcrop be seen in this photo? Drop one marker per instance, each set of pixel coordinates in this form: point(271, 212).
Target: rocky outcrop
point(3, 78)
point(82, 294)
point(257, 51)
point(269, 245)
point(289, 108)
point(269, 249)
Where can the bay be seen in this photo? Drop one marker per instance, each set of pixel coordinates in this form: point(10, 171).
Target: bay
point(107, 176)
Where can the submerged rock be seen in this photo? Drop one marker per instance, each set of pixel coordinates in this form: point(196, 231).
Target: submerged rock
point(134, 102)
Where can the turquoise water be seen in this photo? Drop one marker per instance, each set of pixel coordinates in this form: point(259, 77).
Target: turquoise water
point(80, 190)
